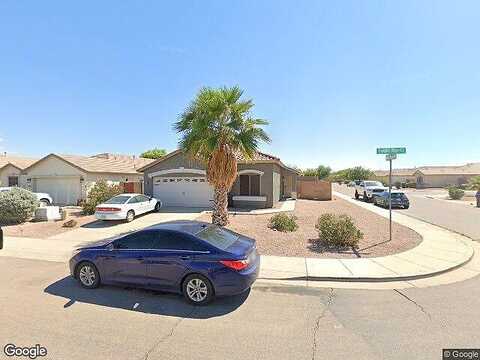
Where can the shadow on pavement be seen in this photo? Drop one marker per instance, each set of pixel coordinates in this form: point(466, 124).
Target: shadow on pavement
point(100, 224)
point(139, 300)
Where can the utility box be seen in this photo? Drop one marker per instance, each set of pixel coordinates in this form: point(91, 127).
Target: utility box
point(48, 213)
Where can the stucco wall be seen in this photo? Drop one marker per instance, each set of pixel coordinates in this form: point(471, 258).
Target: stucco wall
point(175, 162)
point(266, 181)
point(7, 171)
point(314, 189)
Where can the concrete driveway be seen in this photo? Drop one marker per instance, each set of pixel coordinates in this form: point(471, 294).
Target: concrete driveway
point(59, 247)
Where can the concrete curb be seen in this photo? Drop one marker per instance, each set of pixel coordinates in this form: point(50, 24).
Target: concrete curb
point(440, 251)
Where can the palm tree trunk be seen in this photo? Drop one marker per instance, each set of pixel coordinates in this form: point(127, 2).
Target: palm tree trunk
point(220, 206)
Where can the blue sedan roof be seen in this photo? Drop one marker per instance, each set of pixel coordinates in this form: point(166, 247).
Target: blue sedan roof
point(188, 226)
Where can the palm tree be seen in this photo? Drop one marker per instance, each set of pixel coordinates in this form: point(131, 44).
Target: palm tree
point(217, 127)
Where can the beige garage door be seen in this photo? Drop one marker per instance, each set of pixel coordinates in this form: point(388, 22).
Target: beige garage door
point(183, 191)
point(64, 191)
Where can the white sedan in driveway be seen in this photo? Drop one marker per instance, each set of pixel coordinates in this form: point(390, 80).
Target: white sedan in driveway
point(126, 207)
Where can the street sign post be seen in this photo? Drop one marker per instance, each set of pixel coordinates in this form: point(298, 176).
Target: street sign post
point(390, 155)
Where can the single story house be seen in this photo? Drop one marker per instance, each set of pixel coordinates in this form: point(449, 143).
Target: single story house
point(11, 168)
point(69, 178)
point(179, 180)
point(432, 176)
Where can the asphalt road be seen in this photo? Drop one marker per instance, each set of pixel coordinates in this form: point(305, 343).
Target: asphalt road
point(41, 305)
point(460, 218)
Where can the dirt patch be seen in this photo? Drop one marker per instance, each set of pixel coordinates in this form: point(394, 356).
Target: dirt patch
point(46, 229)
point(302, 242)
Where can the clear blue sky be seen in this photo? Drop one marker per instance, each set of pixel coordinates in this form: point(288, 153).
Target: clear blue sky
point(336, 79)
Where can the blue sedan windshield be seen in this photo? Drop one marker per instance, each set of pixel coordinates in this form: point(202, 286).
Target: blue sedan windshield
point(218, 237)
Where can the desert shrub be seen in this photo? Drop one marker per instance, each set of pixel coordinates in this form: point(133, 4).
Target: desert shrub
point(17, 206)
point(455, 193)
point(99, 193)
point(338, 230)
point(398, 184)
point(283, 222)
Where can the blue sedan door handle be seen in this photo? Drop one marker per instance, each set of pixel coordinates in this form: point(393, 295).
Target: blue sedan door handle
point(185, 257)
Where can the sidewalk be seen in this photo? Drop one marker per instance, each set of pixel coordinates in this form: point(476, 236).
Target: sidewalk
point(440, 251)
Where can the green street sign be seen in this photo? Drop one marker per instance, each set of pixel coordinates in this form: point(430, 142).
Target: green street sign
point(395, 150)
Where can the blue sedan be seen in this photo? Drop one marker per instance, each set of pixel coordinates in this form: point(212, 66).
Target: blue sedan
point(196, 259)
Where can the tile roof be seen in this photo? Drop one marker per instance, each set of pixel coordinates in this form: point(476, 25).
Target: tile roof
point(258, 157)
point(19, 162)
point(106, 163)
point(467, 169)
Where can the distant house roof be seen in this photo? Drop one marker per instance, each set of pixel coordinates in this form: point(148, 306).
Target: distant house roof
point(103, 163)
point(467, 169)
point(258, 157)
point(17, 161)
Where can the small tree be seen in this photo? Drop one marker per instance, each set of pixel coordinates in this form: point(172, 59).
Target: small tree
point(100, 192)
point(17, 205)
point(359, 173)
point(154, 153)
point(321, 172)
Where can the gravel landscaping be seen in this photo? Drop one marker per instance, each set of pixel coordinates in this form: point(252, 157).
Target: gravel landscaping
point(302, 242)
point(45, 229)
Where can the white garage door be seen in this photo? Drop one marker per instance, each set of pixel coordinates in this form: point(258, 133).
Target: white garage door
point(183, 191)
point(64, 191)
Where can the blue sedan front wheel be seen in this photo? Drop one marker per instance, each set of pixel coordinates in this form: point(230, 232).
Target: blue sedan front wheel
point(197, 289)
point(88, 275)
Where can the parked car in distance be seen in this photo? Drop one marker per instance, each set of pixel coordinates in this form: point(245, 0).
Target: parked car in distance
point(44, 198)
point(126, 207)
point(399, 200)
point(368, 188)
point(196, 259)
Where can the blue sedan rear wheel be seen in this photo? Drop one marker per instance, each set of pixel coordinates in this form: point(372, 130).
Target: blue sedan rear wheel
point(197, 289)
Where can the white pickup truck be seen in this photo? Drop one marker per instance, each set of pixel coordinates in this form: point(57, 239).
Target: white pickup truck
point(368, 188)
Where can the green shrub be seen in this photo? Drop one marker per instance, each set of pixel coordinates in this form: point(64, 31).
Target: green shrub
point(99, 193)
point(398, 184)
point(455, 193)
point(338, 230)
point(17, 206)
point(283, 222)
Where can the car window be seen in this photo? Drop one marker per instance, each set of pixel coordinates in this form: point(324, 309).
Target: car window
point(120, 199)
point(133, 200)
point(373, 183)
point(142, 198)
point(176, 240)
point(218, 237)
point(139, 240)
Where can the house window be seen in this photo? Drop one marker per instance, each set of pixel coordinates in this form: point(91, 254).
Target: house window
point(250, 185)
point(13, 181)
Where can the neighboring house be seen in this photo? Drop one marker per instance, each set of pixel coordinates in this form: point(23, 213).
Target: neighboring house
point(11, 168)
point(433, 176)
point(69, 178)
point(179, 180)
